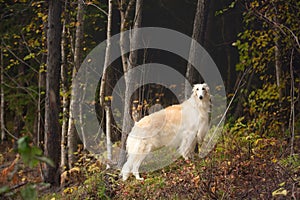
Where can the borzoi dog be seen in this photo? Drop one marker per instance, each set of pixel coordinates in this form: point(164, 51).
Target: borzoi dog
point(179, 126)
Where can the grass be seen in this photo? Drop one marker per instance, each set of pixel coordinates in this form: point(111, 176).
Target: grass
point(233, 170)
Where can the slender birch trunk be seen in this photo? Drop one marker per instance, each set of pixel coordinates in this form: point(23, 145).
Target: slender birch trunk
point(65, 97)
point(2, 96)
point(41, 95)
point(129, 79)
point(103, 85)
point(278, 67)
point(292, 113)
point(72, 134)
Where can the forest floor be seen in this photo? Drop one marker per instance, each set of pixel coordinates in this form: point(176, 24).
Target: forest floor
point(231, 171)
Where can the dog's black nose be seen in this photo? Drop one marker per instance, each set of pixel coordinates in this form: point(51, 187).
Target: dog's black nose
point(201, 97)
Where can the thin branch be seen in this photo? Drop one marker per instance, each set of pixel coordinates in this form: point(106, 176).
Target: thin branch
point(172, 13)
point(10, 134)
point(292, 114)
point(92, 4)
point(18, 58)
point(28, 49)
point(231, 101)
point(16, 12)
point(20, 87)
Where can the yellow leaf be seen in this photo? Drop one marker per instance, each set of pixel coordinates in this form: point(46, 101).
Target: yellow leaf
point(68, 190)
point(280, 191)
point(282, 184)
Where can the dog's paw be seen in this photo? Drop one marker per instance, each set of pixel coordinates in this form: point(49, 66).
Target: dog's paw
point(124, 176)
point(139, 178)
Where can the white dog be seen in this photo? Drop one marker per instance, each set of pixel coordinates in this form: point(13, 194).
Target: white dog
point(179, 126)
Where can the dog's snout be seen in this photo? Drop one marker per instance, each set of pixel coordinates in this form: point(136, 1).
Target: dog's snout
point(201, 97)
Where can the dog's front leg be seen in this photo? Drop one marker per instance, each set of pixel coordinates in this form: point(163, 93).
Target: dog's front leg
point(187, 146)
point(189, 149)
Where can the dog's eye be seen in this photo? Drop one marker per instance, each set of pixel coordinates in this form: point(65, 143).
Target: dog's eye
point(203, 88)
point(197, 89)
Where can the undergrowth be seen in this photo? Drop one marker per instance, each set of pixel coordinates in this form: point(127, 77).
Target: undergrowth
point(235, 169)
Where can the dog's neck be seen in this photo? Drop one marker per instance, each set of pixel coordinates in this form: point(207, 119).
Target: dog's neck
point(201, 104)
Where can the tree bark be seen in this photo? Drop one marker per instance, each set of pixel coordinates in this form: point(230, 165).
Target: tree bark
point(292, 113)
point(41, 96)
point(103, 102)
point(199, 29)
point(52, 126)
point(65, 90)
point(107, 53)
point(124, 26)
point(108, 136)
point(278, 67)
point(72, 133)
point(129, 79)
point(2, 96)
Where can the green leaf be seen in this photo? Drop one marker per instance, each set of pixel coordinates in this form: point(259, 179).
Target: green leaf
point(23, 144)
point(29, 56)
point(29, 192)
point(28, 153)
point(4, 189)
point(45, 160)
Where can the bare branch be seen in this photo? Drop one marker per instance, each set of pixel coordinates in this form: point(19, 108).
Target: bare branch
point(128, 9)
point(18, 58)
point(28, 49)
point(92, 4)
point(27, 90)
point(292, 114)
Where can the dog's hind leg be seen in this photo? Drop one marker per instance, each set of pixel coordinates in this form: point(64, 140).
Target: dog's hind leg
point(125, 171)
point(138, 161)
point(127, 167)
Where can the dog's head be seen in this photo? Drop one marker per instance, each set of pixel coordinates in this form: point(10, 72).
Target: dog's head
point(201, 91)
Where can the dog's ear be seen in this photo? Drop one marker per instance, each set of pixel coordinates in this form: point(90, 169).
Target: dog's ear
point(195, 86)
point(207, 88)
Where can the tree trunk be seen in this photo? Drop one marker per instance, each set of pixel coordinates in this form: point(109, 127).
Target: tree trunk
point(40, 110)
point(105, 103)
point(52, 126)
point(278, 67)
point(2, 96)
point(72, 133)
point(41, 96)
point(124, 26)
point(199, 29)
point(292, 113)
point(20, 111)
point(107, 53)
point(65, 90)
point(129, 80)
point(108, 136)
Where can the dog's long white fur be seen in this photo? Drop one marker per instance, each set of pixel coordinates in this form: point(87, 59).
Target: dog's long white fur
point(180, 126)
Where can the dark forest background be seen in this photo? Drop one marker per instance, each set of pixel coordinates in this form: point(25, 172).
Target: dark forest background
point(255, 45)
